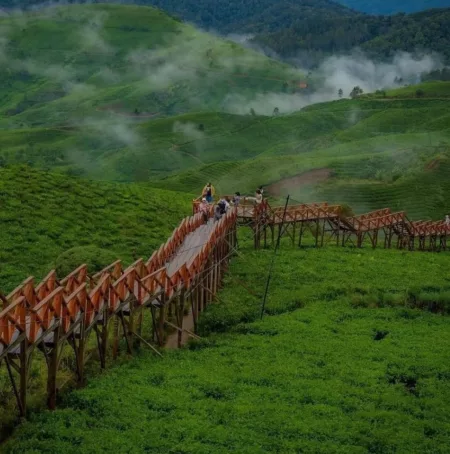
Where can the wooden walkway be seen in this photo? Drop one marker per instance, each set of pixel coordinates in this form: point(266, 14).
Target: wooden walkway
point(331, 223)
point(192, 244)
point(183, 275)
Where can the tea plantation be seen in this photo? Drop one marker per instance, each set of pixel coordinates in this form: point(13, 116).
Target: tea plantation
point(344, 361)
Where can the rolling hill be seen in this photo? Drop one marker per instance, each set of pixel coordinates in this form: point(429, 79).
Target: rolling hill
point(112, 118)
point(289, 29)
point(68, 66)
point(324, 27)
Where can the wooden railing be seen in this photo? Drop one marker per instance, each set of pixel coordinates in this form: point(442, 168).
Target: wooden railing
point(67, 310)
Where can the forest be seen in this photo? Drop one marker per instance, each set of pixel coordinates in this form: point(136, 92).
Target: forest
point(379, 36)
point(317, 28)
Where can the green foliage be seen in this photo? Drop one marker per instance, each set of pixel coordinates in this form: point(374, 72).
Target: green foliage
point(390, 152)
point(45, 215)
point(378, 36)
point(95, 258)
point(363, 277)
point(332, 376)
point(119, 64)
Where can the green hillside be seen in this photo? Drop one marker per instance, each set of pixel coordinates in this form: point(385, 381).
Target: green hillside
point(112, 118)
point(45, 215)
point(351, 371)
point(379, 152)
point(72, 65)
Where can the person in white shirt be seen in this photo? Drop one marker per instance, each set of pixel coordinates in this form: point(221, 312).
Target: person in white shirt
point(258, 197)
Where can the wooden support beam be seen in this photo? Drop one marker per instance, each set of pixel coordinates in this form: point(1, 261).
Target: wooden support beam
point(23, 375)
point(147, 343)
point(22, 410)
point(195, 336)
point(53, 369)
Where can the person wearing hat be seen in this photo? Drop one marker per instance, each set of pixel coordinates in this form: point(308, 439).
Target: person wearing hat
point(208, 192)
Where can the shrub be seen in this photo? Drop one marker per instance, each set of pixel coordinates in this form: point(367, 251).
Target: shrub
point(94, 257)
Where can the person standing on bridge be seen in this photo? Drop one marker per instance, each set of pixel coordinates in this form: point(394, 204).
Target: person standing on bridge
point(447, 220)
point(236, 199)
point(224, 205)
point(204, 209)
point(209, 192)
point(217, 212)
point(258, 197)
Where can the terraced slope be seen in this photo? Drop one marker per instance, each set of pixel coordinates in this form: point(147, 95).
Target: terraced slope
point(67, 64)
point(376, 152)
point(51, 220)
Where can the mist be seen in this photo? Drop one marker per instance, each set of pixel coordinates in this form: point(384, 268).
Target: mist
point(340, 72)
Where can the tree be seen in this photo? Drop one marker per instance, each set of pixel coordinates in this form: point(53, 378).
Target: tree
point(340, 93)
point(419, 93)
point(356, 92)
point(252, 112)
point(276, 111)
point(201, 127)
point(136, 111)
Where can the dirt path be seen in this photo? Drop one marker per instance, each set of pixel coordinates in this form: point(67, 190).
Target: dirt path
point(310, 177)
point(172, 339)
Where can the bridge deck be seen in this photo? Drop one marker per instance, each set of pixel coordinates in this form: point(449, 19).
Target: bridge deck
point(190, 248)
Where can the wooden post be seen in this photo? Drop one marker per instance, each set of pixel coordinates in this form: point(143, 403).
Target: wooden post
point(81, 353)
point(52, 370)
point(138, 327)
point(202, 303)
point(24, 375)
point(360, 239)
point(162, 319)
point(104, 336)
point(180, 316)
point(116, 330)
point(294, 226)
point(317, 232)
point(193, 300)
point(338, 231)
point(323, 233)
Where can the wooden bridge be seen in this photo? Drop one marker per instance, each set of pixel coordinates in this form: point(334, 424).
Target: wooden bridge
point(184, 274)
point(330, 222)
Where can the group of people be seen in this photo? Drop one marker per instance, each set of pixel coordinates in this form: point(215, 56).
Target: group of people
point(224, 203)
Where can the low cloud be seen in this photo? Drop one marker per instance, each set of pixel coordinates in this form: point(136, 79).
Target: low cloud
point(115, 130)
point(189, 130)
point(340, 72)
point(346, 72)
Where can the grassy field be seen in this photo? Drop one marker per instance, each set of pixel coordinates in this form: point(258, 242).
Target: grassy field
point(356, 368)
point(44, 216)
point(52, 221)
